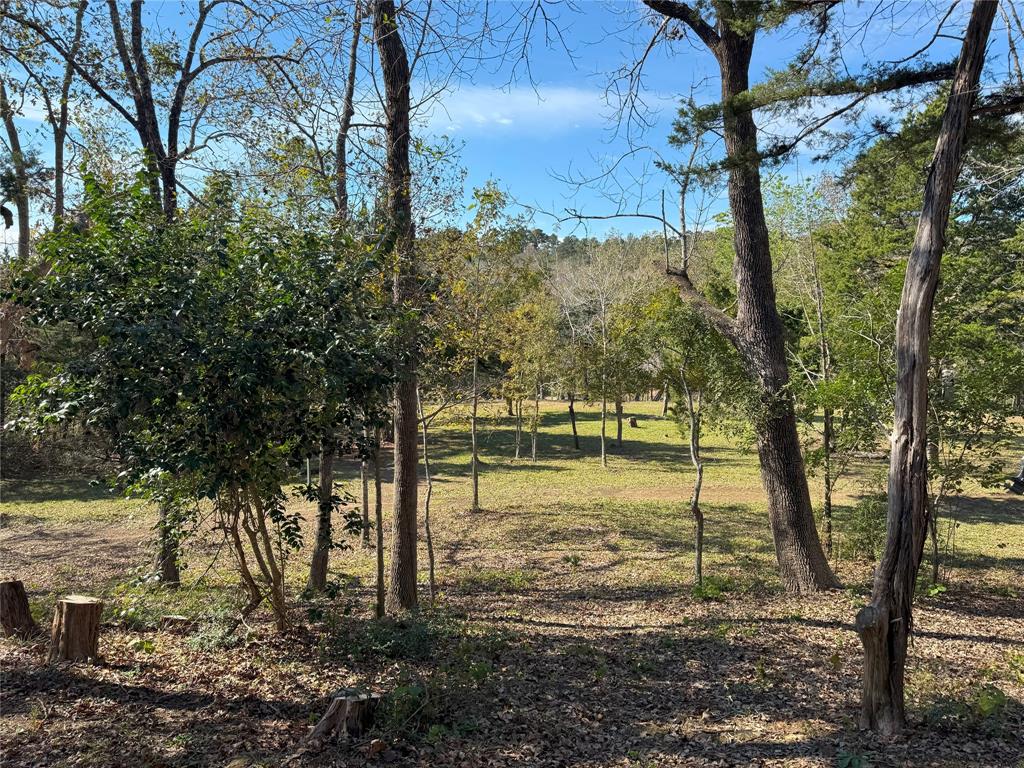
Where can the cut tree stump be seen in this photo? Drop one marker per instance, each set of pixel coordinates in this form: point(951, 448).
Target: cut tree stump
point(76, 629)
point(350, 714)
point(15, 616)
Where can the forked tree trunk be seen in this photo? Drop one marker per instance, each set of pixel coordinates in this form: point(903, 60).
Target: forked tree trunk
point(322, 552)
point(757, 331)
point(15, 616)
point(76, 629)
point(396, 75)
point(572, 421)
point(802, 562)
point(884, 625)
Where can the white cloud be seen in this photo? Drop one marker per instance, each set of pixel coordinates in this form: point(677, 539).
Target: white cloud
point(544, 111)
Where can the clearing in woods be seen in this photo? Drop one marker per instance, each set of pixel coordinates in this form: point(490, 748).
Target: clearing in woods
point(566, 631)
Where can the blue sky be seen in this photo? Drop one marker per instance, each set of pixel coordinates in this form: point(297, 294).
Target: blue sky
point(528, 133)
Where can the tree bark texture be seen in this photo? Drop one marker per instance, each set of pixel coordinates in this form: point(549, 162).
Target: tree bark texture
point(324, 530)
point(75, 635)
point(885, 624)
point(15, 616)
point(396, 75)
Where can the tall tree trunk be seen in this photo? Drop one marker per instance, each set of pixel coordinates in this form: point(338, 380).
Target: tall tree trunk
point(426, 504)
point(572, 420)
point(884, 625)
point(20, 191)
point(802, 562)
point(664, 400)
point(324, 533)
point(396, 75)
point(378, 521)
point(475, 459)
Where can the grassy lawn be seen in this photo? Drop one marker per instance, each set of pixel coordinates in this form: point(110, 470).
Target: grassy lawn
point(566, 632)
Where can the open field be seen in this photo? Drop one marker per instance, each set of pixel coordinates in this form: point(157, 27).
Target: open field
point(566, 631)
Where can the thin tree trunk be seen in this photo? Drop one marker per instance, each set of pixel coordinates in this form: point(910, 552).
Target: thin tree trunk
point(396, 75)
point(324, 533)
point(698, 464)
point(884, 625)
point(933, 535)
point(378, 520)
point(475, 460)
point(826, 511)
point(20, 191)
point(426, 504)
point(348, 111)
point(535, 424)
point(364, 482)
point(618, 422)
point(60, 126)
point(604, 427)
point(572, 420)
point(664, 400)
point(519, 426)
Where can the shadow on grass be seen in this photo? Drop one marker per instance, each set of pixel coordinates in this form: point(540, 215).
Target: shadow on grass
point(55, 489)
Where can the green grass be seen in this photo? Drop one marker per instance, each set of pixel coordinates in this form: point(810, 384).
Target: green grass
point(622, 526)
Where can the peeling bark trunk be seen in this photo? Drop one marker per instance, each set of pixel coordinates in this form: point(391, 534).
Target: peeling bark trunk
point(884, 625)
point(396, 75)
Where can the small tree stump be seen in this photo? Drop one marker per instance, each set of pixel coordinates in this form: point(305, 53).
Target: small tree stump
point(76, 629)
point(15, 617)
point(349, 714)
point(632, 421)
